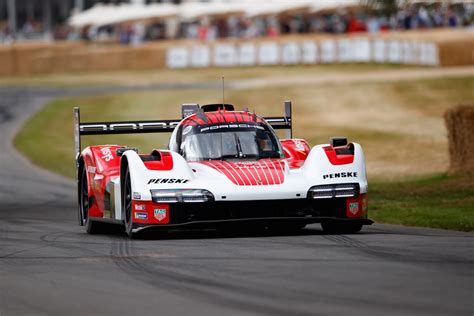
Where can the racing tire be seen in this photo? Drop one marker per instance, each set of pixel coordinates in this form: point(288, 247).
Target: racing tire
point(333, 227)
point(127, 204)
point(92, 227)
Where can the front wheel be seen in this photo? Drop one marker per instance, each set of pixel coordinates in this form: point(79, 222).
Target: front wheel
point(92, 227)
point(339, 227)
point(127, 203)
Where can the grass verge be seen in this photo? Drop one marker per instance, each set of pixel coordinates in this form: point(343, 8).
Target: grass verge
point(158, 76)
point(439, 202)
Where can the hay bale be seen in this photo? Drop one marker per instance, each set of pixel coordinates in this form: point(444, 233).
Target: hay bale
point(460, 124)
point(145, 57)
point(105, 59)
point(456, 52)
point(7, 61)
point(64, 53)
point(26, 56)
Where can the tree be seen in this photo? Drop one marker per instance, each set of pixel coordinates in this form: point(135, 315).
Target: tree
point(386, 7)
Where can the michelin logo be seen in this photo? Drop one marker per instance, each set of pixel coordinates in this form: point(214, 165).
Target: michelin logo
point(340, 175)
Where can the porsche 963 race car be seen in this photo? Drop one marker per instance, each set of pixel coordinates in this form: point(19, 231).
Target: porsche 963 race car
point(221, 167)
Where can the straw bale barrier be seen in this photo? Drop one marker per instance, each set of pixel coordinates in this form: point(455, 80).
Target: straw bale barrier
point(460, 124)
point(454, 47)
point(7, 62)
point(456, 52)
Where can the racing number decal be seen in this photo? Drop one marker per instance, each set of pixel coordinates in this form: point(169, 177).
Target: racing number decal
point(106, 154)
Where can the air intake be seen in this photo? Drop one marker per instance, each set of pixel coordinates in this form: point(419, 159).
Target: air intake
point(217, 107)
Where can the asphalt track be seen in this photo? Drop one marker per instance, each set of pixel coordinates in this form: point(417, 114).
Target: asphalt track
point(50, 266)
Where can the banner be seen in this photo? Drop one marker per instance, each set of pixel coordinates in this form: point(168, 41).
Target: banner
point(225, 55)
point(343, 50)
point(200, 57)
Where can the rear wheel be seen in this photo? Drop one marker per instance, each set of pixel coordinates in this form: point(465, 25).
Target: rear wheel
point(127, 203)
point(339, 227)
point(92, 227)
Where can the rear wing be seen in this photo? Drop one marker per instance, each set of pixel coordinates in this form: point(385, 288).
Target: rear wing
point(156, 126)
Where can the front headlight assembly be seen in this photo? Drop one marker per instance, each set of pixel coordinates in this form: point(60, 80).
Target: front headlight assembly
point(328, 191)
point(181, 196)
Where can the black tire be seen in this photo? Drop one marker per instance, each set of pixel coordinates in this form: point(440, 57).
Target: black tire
point(127, 203)
point(333, 227)
point(92, 227)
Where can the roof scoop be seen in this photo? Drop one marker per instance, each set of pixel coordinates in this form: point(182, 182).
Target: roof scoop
point(338, 141)
point(217, 107)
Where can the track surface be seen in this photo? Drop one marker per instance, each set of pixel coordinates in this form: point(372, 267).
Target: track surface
point(50, 266)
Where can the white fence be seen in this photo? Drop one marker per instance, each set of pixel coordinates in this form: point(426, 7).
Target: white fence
point(347, 50)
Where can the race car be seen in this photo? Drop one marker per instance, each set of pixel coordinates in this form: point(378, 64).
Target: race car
point(222, 167)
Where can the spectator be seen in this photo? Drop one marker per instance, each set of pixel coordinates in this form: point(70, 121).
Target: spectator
point(373, 24)
point(202, 32)
point(407, 17)
point(452, 19)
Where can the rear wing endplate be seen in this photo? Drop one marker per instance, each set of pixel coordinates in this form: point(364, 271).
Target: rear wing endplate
point(156, 126)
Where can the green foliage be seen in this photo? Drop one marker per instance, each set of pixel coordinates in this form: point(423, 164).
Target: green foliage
point(386, 7)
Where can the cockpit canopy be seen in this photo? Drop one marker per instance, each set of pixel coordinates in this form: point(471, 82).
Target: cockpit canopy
point(221, 141)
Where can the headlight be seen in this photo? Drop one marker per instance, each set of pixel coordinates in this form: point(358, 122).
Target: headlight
point(181, 195)
point(329, 191)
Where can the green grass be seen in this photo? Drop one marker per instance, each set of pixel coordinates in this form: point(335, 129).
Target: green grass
point(438, 202)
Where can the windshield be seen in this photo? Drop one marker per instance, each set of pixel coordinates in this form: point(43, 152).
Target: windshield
point(243, 141)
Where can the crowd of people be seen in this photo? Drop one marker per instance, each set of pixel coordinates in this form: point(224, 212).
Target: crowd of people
point(415, 16)
point(411, 17)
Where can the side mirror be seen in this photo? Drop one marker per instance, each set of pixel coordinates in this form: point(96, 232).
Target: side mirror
point(189, 109)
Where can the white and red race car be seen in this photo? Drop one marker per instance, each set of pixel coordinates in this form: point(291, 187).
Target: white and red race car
point(222, 167)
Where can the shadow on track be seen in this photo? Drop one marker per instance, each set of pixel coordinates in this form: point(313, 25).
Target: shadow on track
point(219, 233)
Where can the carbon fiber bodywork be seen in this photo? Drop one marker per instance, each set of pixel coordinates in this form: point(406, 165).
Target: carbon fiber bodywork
point(214, 214)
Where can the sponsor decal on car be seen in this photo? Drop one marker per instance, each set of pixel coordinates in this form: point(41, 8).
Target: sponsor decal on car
point(160, 214)
point(141, 215)
point(139, 207)
point(215, 127)
point(354, 207)
point(187, 129)
point(299, 144)
point(247, 164)
point(167, 180)
point(91, 169)
point(137, 196)
point(364, 205)
point(127, 126)
point(340, 175)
